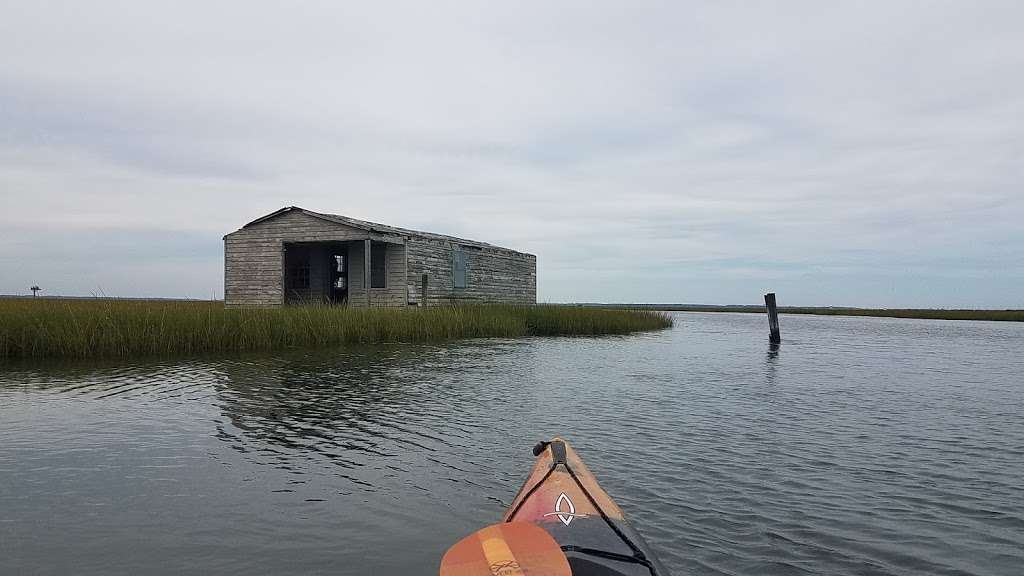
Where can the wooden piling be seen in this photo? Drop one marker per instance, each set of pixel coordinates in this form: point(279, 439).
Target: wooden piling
point(773, 318)
point(367, 270)
point(424, 282)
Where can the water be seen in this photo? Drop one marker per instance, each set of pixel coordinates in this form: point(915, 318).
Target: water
point(861, 446)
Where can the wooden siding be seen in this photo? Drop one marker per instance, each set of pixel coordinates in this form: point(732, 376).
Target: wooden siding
point(495, 275)
point(394, 294)
point(254, 259)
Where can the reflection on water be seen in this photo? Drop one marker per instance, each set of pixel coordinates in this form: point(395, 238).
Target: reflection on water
point(771, 360)
point(900, 454)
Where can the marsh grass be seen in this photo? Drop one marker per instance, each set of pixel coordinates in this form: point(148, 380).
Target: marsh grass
point(106, 328)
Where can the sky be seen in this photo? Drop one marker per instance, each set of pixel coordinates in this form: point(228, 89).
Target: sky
point(837, 153)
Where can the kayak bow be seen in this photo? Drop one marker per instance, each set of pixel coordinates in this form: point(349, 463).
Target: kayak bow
point(562, 497)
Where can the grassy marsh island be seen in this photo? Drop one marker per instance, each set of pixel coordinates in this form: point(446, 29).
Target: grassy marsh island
point(922, 313)
point(108, 328)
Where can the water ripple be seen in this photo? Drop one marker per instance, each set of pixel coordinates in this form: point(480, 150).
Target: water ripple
point(861, 446)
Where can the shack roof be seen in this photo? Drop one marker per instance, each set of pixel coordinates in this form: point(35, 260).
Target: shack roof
point(376, 227)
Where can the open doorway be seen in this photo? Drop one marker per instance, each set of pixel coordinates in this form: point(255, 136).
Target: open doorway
point(298, 288)
point(316, 273)
point(339, 277)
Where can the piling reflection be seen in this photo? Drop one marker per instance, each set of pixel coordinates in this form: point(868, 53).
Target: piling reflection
point(771, 362)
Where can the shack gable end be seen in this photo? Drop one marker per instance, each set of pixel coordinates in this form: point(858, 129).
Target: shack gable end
point(297, 226)
point(254, 259)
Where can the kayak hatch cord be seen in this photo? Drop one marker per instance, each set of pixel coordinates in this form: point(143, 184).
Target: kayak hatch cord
point(558, 454)
point(529, 492)
point(537, 450)
point(638, 554)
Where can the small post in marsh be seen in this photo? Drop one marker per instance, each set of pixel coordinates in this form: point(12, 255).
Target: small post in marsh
point(773, 318)
point(424, 282)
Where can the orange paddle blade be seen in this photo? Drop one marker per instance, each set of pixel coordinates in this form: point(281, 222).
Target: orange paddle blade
point(509, 549)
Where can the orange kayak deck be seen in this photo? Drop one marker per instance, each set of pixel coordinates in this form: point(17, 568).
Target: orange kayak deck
point(563, 497)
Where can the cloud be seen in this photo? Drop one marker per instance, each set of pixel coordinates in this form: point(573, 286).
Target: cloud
point(169, 142)
point(865, 154)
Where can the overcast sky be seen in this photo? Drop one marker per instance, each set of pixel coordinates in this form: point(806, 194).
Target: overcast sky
point(839, 153)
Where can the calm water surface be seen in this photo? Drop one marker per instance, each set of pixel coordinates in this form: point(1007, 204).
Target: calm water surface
point(861, 446)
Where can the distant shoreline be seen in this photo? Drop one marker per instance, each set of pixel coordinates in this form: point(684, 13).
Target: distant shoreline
point(130, 298)
point(920, 313)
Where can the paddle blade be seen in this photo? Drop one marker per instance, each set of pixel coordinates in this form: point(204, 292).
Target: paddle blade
point(508, 549)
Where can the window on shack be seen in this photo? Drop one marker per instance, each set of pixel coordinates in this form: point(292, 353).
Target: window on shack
point(459, 272)
point(378, 265)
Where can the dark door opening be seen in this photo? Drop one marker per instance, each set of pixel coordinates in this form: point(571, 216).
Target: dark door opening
point(339, 278)
point(296, 275)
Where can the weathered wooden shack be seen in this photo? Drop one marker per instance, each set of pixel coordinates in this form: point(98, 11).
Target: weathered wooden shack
point(300, 256)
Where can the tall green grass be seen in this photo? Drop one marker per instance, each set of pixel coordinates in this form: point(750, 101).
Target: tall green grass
point(104, 328)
